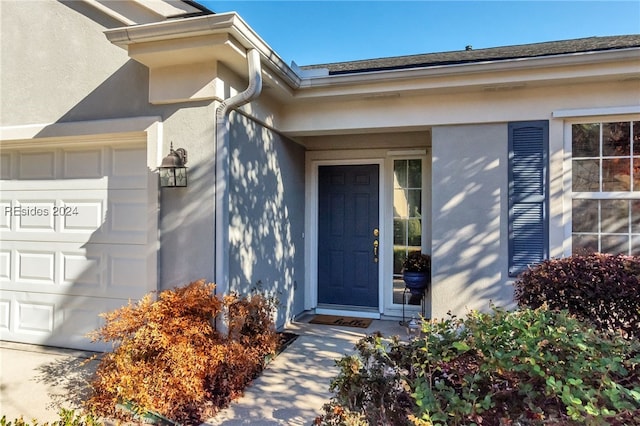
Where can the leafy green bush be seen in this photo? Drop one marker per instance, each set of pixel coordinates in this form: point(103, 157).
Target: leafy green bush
point(67, 418)
point(600, 288)
point(370, 387)
point(528, 366)
point(171, 360)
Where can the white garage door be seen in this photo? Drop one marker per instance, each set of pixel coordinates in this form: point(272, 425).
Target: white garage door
point(78, 231)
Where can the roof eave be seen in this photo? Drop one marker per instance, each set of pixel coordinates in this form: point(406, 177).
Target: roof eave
point(290, 85)
point(208, 25)
point(145, 11)
point(485, 73)
point(581, 58)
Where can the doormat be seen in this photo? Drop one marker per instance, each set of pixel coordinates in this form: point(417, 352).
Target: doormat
point(342, 321)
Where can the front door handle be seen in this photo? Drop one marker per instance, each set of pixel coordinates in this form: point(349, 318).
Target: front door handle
point(375, 250)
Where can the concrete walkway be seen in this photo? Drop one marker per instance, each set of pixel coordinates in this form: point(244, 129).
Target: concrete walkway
point(37, 381)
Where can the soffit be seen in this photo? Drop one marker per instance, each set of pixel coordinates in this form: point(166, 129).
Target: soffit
point(223, 38)
point(134, 12)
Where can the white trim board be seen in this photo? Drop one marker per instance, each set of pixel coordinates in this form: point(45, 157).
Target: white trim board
point(311, 221)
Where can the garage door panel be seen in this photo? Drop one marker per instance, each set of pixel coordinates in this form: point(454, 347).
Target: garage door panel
point(37, 267)
point(105, 270)
point(128, 273)
point(5, 166)
point(56, 320)
point(119, 166)
point(5, 312)
point(81, 270)
point(73, 184)
point(82, 215)
point(42, 218)
point(56, 267)
point(129, 216)
point(100, 216)
point(5, 219)
point(53, 213)
point(34, 317)
point(5, 264)
point(128, 162)
point(36, 165)
point(79, 164)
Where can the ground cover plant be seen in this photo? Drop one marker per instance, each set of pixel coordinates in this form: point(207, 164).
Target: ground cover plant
point(66, 418)
point(602, 289)
point(526, 367)
point(169, 358)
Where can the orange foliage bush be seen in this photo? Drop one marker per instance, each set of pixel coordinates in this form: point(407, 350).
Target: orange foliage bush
point(169, 358)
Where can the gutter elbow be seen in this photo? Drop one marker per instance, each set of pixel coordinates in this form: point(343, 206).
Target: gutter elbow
point(252, 91)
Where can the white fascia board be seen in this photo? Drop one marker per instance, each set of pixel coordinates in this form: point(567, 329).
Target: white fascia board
point(142, 11)
point(167, 8)
point(166, 30)
point(110, 12)
point(227, 23)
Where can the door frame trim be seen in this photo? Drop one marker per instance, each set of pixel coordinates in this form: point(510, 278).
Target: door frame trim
point(335, 158)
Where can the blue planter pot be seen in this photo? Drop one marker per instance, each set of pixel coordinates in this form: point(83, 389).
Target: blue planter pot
point(416, 282)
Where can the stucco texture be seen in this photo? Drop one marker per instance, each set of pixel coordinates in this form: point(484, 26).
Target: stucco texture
point(266, 218)
point(469, 246)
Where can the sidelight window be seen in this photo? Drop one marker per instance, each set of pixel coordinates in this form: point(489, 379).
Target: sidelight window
point(407, 217)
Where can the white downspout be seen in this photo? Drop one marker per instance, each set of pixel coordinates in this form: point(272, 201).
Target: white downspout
point(221, 268)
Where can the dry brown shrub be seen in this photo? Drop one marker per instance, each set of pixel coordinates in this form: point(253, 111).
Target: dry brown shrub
point(170, 359)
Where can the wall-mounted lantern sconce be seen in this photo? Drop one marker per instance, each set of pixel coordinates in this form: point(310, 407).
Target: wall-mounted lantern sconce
point(173, 173)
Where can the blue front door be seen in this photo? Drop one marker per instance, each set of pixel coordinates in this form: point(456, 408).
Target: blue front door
point(347, 234)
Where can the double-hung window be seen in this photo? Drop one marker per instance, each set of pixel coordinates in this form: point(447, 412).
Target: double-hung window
point(606, 187)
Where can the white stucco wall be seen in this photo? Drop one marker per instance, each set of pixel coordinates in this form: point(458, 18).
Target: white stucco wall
point(469, 246)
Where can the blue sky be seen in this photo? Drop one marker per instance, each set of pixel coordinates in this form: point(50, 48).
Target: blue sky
point(315, 32)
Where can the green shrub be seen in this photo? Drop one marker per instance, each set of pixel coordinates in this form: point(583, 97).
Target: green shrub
point(525, 367)
point(171, 360)
point(67, 418)
point(600, 288)
point(371, 388)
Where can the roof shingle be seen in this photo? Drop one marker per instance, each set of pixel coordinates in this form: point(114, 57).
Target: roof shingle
point(552, 48)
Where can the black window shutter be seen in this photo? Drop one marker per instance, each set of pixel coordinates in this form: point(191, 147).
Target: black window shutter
point(528, 194)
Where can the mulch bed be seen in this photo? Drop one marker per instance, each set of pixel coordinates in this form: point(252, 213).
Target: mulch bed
point(286, 339)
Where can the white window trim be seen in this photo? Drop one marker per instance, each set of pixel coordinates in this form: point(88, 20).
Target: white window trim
point(394, 309)
point(594, 112)
point(582, 116)
point(334, 158)
point(384, 158)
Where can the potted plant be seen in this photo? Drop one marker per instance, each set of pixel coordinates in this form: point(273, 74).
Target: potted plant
point(416, 272)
